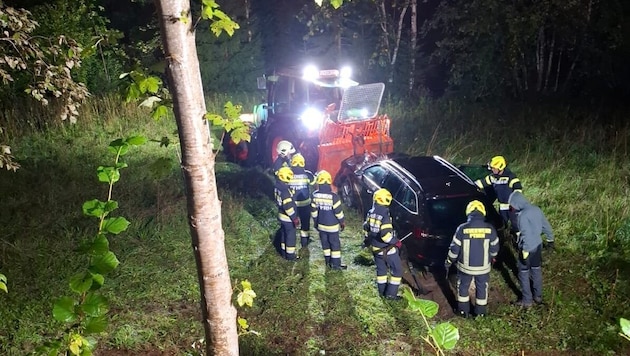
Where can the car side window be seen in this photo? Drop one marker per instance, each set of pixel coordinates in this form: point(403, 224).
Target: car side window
point(393, 184)
point(407, 198)
point(375, 174)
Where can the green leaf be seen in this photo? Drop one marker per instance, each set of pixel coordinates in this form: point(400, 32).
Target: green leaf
point(137, 140)
point(95, 325)
point(98, 279)
point(246, 297)
point(151, 84)
point(105, 263)
point(115, 225)
point(242, 323)
point(428, 308)
point(159, 112)
point(99, 246)
point(95, 305)
point(116, 144)
point(3, 278)
point(81, 282)
point(63, 310)
point(94, 207)
point(110, 206)
point(336, 3)
point(108, 174)
point(446, 335)
point(625, 326)
point(232, 111)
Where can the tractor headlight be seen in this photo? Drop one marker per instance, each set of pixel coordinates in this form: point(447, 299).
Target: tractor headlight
point(312, 118)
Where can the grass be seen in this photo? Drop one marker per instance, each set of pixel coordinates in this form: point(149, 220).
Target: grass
point(576, 170)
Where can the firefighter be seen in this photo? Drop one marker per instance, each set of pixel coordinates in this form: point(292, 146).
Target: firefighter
point(380, 235)
point(504, 182)
point(287, 212)
point(285, 150)
point(532, 223)
point(301, 185)
point(328, 219)
point(474, 247)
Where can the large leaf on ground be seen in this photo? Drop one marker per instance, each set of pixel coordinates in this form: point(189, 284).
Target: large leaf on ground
point(446, 335)
point(81, 282)
point(95, 324)
point(105, 263)
point(115, 225)
point(95, 305)
point(63, 310)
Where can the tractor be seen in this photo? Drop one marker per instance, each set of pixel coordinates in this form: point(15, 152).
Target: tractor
point(327, 116)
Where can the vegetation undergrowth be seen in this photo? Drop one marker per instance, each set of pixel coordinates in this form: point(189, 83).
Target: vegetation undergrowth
point(575, 170)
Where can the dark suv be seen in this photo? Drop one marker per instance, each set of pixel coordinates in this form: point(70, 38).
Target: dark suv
point(430, 197)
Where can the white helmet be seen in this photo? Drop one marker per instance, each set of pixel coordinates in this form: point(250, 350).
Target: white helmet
point(285, 148)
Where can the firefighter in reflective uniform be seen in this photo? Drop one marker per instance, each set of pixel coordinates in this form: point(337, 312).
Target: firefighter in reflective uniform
point(504, 182)
point(380, 235)
point(287, 212)
point(285, 150)
point(301, 185)
point(474, 247)
point(328, 219)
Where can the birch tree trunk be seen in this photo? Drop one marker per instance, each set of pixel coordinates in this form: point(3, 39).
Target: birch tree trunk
point(204, 207)
point(414, 43)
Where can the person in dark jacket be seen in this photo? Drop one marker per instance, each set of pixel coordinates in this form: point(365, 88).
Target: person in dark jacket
point(287, 212)
point(301, 184)
point(504, 182)
point(474, 247)
point(285, 150)
point(380, 235)
point(328, 219)
point(532, 223)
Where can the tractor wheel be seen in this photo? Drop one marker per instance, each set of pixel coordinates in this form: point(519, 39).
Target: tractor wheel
point(275, 135)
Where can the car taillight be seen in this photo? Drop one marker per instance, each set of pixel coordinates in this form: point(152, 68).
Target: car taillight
point(419, 233)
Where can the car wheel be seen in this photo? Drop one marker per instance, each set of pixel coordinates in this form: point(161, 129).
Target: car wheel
point(347, 194)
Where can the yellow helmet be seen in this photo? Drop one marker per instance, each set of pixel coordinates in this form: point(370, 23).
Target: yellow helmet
point(285, 148)
point(285, 174)
point(383, 197)
point(297, 160)
point(475, 205)
point(323, 177)
point(497, 162)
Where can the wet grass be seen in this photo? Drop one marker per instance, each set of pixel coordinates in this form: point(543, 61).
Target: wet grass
point(302, 308)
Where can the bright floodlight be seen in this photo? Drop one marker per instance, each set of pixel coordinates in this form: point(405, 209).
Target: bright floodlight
point(312, 118)
point(310, 73)
point(346, 72)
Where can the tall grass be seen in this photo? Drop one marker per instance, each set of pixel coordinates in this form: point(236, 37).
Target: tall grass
point(571, 163)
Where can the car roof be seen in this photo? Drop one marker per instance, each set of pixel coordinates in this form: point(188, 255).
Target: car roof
point(433, 174)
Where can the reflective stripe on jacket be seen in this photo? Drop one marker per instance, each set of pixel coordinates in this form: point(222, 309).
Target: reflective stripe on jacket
point(474, 245)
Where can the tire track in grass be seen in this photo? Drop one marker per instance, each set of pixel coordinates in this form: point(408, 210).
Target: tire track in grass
point(316, 291)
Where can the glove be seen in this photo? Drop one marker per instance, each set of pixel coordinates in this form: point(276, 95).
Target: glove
point(398, 244)
point(342, 226)
point(550, 246)
point(296, 222)
point(525, 254)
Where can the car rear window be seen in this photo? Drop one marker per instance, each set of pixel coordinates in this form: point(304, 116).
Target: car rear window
point(447, 213)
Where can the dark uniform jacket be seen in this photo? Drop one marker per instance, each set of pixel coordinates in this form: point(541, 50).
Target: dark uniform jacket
point(474, 245)
point(504, 184)
point(287, 210)
point(326, 209)
point(378, 228)
point(279, 163)
point(301, 185)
